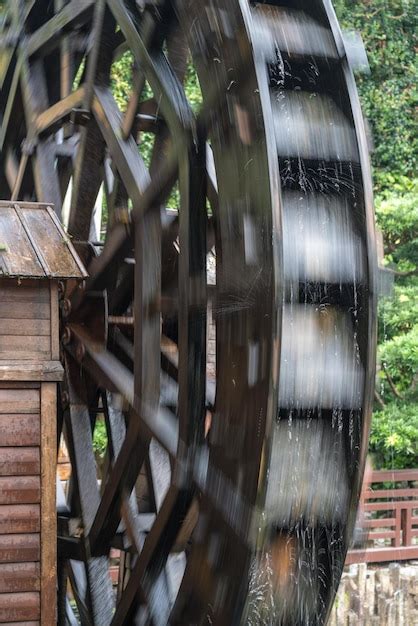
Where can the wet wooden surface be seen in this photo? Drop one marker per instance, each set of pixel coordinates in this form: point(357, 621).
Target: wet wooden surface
point(244, 139)
point(19, 430)
point(33, 291)
point(19, 498)
point(20, 489)
point(21, 548)
point(19, 606)
point(19, 401)
point(18, 577)
point(19, 518)
point(48, 371)
point(17, 256)
point(19, 462)
point(15, 310)
point(34, 245)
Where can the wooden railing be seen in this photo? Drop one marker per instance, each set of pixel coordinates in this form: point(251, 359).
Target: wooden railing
point(389, 518)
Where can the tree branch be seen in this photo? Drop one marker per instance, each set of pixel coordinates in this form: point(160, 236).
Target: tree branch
point(379, 400)
point(392, 384)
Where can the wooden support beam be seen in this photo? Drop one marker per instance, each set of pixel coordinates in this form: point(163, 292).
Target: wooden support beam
point(88, 170)
point(59, 111)
point(16, 189)
point(158, 422)
point(35, 97)
point(48, 36)
point(11, 104)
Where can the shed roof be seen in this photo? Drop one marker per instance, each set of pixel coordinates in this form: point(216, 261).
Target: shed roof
point(33, 243)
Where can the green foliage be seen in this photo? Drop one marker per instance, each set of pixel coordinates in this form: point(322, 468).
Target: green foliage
point(397, 216)
point(394, 433)
point(192, 88)
point(399, 313)
point(394, 441)
point(399, 358)
point(100, 438)
point(121, 80)
point(389, 95)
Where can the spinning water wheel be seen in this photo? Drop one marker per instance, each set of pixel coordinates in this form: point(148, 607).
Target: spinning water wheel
point(229, 488)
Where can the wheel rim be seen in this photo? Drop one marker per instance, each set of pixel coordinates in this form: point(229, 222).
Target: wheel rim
point(269, 291)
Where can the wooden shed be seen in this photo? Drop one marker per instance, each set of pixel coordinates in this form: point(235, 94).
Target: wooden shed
point(35, 254)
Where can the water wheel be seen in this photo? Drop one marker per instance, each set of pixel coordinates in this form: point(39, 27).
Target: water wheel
point(234, 411)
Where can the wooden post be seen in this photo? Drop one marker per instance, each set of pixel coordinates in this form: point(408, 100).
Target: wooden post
point(48, 508)
point(406, 525)
point(55, 339)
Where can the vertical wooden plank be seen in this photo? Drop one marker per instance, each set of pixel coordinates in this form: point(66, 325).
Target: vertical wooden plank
point(48, 511)
point(55, 344)
point(406, 524)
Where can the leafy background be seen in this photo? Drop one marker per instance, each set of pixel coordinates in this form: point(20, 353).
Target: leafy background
point(389, 98)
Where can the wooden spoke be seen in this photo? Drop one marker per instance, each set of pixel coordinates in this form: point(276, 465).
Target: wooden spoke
point(161, 77)
point(78, 429)
point(35, 99)
point(138, 84)
point(123, 477)
point(126, 157)
point(192, 297)
point(48, 36)
point(156, 549)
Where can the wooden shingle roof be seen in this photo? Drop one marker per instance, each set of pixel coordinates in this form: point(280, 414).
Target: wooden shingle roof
point(33, 243)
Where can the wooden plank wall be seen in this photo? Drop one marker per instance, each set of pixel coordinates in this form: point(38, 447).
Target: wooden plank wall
point(20, 502)
point(28, 338)
point(25, 320)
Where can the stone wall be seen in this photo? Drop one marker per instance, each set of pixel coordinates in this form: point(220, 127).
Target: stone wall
point(377, 596)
